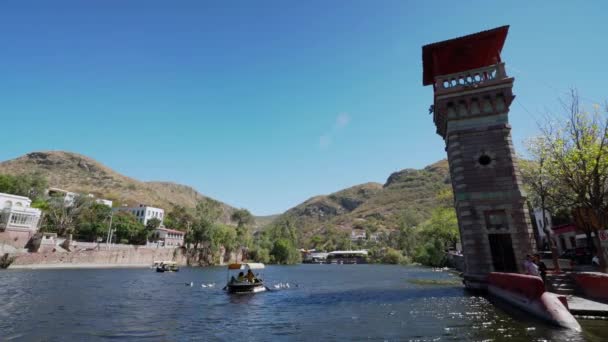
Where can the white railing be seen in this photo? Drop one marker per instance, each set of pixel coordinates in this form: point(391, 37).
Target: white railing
point(470, 78)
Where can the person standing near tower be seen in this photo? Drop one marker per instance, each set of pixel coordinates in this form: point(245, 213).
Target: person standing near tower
point(542, 268)
point(530, 267)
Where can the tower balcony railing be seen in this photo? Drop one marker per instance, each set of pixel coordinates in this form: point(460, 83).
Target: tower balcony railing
point(470, 78)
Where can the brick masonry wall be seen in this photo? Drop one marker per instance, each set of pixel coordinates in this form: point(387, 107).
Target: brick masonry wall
point(476, 124)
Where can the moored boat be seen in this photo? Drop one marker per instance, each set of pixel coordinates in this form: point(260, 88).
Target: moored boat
point(347, 257)
point(243, 284)
point(528, 293)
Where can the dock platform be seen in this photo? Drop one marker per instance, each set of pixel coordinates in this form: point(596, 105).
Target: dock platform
point(587, 308)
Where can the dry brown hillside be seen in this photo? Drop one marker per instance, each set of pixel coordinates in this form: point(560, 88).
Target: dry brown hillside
point(78, 173)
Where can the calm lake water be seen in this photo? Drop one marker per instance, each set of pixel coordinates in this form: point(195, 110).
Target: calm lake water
point(330, 303)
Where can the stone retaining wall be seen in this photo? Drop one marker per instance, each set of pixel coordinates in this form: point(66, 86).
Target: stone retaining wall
point(16, 239)
point(87, 258)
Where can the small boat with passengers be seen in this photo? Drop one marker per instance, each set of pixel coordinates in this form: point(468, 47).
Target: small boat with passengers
point(166, 266)
point(244, 282)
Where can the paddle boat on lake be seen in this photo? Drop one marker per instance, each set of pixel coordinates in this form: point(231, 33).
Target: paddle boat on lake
point(245, 281)
point(166, 266)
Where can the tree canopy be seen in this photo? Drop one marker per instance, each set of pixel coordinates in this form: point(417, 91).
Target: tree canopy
point(574, 149)
point(30, 185)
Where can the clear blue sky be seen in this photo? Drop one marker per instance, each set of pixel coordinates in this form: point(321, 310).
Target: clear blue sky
point(263, 104)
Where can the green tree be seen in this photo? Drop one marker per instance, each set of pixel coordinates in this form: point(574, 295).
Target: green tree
point(316, 241)
point(201, 231)
point(442, 226)
point(128, 229)
point(543, 188)
point(242, 217)
point(223, 236)
point(152, 224)
point(280, 240)
point(8, 184)
point(260, 254)
point(150, 229)
point(392, 256)
point(93, 222)
point(207, 213)
point(445, 198)
point(412, 217)
point(179, 218)
point(61, 217)
point(431, 253)
point(209, 209)
point(578, 157)
point(244, 220)
point(32, 185)
point(284, 252)
point(406, 239)
point(435, 235)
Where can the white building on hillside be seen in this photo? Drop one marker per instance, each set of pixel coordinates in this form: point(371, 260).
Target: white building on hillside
point(374, 237)
point(68, 196)
point(170, 237)
point(104, 201)
point(144, 213)
point(101, 200)
point(358, 234)
point(16, 214)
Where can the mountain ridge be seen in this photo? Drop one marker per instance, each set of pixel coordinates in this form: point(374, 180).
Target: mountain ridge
point(373, 205)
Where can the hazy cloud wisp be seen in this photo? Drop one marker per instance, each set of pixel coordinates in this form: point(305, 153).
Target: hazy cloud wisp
point(342, 120)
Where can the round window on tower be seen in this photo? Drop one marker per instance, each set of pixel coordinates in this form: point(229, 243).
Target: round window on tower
point(484, 160)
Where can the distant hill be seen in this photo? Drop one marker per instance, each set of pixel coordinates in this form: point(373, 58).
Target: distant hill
point(78, 173)
point(380, 204)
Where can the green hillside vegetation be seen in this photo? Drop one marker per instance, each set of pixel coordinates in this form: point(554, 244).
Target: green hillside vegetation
point(411, 216)
point(263, 221)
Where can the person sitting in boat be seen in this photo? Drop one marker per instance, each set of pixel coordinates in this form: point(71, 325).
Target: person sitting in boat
point(250, 277)
point(241, 277)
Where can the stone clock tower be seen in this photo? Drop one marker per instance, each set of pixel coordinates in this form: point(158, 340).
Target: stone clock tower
point(472, 95)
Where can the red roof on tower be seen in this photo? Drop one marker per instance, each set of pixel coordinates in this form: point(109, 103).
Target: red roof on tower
point(464, 53)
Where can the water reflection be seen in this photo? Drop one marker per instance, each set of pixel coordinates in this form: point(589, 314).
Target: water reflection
point(244, 299)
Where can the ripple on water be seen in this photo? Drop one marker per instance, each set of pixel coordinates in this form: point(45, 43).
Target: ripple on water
point(332, 302)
